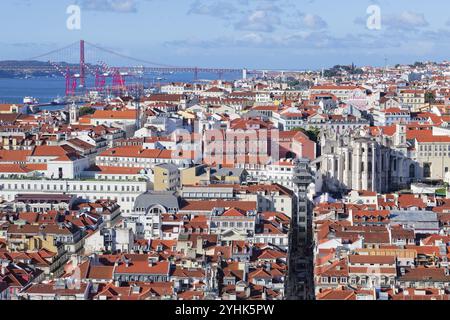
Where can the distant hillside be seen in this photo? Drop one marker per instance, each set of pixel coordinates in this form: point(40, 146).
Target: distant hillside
point(23, 63)
point(21, 69)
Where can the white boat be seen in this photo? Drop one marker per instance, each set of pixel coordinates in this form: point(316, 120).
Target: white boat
point(58, 101)
point(30, 100)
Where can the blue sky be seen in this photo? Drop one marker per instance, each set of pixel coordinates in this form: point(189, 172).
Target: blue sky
point(272, 34)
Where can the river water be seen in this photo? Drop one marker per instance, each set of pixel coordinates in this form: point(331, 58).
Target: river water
point(46, 89)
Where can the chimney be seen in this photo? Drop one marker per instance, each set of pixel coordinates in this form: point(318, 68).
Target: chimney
point(247, 292)
point(5, 264)
point(394, 289)
point(95, 260)
point(74, 260)
point(264, 294)
point(152, 261)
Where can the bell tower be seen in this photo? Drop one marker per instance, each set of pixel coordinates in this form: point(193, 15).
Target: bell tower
point(74, 113)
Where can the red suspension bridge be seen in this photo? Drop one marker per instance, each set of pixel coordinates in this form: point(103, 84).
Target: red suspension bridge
point(80, 60)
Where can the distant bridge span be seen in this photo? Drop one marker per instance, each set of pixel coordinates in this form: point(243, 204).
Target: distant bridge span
point(78, 59)
point(50, 68)
point(84, 53)
point(87, 54)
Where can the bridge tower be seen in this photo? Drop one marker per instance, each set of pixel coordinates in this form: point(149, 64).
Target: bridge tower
point(82, 65)
point(67, 76)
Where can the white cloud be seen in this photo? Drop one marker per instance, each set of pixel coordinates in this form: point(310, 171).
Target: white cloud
point(219, 9)
point(124, 6)
point(313, 21)
point(259, 20)
point(405, 20)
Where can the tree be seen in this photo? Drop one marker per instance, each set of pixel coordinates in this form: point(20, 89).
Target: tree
point(430, 97)
point(86, 110)
point(312, 134)
point(293, 83)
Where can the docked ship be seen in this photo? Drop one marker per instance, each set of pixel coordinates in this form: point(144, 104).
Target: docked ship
point(58, 101)
point(30, 101)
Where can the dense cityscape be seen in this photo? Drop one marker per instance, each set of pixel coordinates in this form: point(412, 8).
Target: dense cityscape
point(224, 158)
point(305, 185)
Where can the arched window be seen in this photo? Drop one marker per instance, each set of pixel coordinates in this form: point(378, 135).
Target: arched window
point(156, 209)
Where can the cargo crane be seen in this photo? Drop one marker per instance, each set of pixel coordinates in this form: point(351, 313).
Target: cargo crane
point(71, 80)
point(100, 77)
point(118, 78)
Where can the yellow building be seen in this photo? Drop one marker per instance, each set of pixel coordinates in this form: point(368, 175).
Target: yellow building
point(414, 99)
point(166, 177)
point(228, 175)
point(197, 175)
point(22, 241)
